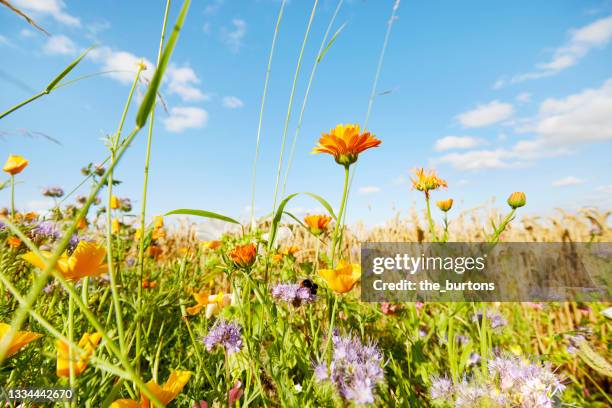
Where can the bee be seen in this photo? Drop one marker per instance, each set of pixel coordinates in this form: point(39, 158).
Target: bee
point(307, 283)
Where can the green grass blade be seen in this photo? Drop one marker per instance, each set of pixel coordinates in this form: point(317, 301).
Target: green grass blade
point(277, 217)
point(202, 213)
point(149, 99)
point(66, 71)
point(330, 43)
point(324, 203)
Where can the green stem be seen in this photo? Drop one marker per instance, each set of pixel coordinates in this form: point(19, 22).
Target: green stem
point(71, 356)
point(143, 208)
point(332, 322)
point(432, 228)
point(21, 104)
point(261, 111)
point(109, 234)
point(335, 238)
point(502, 227)
point(12, 196)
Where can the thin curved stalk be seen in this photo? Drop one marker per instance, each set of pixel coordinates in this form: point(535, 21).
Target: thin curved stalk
point(261, 111)
point(307, 94)
point(290, 104)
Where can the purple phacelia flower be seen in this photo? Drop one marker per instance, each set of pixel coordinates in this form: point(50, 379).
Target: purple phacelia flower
point(45, 230)
point(294, 293)
point(441, 388)
point(54, 192)
point(225, 334)
point(73, 243)
point(494, 319)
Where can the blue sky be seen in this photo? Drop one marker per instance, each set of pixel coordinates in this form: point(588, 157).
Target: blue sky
point(497, 96)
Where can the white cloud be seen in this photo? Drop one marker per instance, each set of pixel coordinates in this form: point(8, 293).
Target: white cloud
point(27, 33)
point(40, 206)
point(185, 117)
point(233, 38)
point(232, 102)
point(523, 97)
point(478, 159)
point(594, 35)
point(213, 6)
point(123, 64)
point(369, 190)
point(604, 189)
point(60, 45)
point(183, 82)
point(567, 181)
point(53, 8)
point(4, 40)
point(488, 114)
point(457, 142)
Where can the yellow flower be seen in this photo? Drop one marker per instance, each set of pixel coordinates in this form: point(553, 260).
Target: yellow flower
point(86, 260)
point(165, 393)
point(244, 255)
point(317, 223)
point(212, 245)
point(345, 142)
point(158, 222)
point(13, 242)
point(114, 203)
point(213, 303)
point(445, 205)
point(88, 344)
point(20, 339)
point(517, 199)
point(343, 278)
point(82, 223)
point(115, 226)
point(15, 164)
point(158, 233)
point(426, 181)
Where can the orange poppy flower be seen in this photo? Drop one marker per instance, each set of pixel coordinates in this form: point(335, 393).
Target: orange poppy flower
point(19, 340)
point(426, 181)
point(165, 393)
point(243, 255)
point(86, 260)
point(15, 164)
point(343, 278)
point(88, 343)
point(345, 142)
point(317, 223)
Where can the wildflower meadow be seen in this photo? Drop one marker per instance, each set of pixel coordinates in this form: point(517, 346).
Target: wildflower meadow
point(106, 304)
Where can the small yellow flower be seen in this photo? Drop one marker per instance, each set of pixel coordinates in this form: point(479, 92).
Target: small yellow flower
point(15, 164)
point(517, 199)
point(141, 65)
point(345, 143)
point(86, 260)
point(114, 203)
point(88, 344)
point(445, 205)
point(212, 245)
point(213, 303)
point(115, 226)
point(19, 340)
point(31, 216)
point(426, 181)
point(317, 223)
point(343, 278)
point(165, 393)
point(13, 242)
point(158, 233)
point(244, 255)
point(158, 222)
point(82, 223)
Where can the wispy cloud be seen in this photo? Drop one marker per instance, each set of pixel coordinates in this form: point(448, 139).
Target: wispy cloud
point(487, 114)
point(185, 117)
point(213, 6)
point(457, 142)
point(60, 45)
point(369, 190)
point(233, 37)
point(567, 181)
point(183, 82)
point(232, 102)
point(123, 64)
point(581, 42)
point(52, 8)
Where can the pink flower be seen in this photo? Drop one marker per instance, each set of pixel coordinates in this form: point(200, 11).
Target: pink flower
point(235, 393)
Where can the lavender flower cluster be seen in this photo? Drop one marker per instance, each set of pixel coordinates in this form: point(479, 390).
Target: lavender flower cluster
point(45, 230)
point(512, 382)
point(293, 293)
point(55, 192)
point(225, 334)
point(355, 369)
point(495, 320)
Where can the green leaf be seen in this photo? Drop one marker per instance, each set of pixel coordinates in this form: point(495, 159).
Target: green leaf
point(330, 43)
point(202, 213)
point(66, 71)
point(324, 203)
point(277, 218)
point(149, 99)
point(4, 184)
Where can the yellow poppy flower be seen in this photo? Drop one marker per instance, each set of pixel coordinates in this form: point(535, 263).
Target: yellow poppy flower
point(19, 340)
point(213, 303)
point(88, 343)
point(345, 143)
point(343, 278)
point(164, 393)
point(86, 260)
point(114, 203)
point(15, 164)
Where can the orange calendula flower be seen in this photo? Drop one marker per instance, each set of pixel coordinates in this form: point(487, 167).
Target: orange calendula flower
point(286, 251)
point(212, 245)
point(345, 142)
point(517, 200)
point(88, 344)
point(164, 393)
point(31, 216)
point(317, 223)
point(158, 233)
point(114, 203)
point(427, 180)
point(19, 340)
point(86, 260)
point(343, 278)
point(445, 205)
point(13, 242)
point(15, 164)
point(244, 255)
